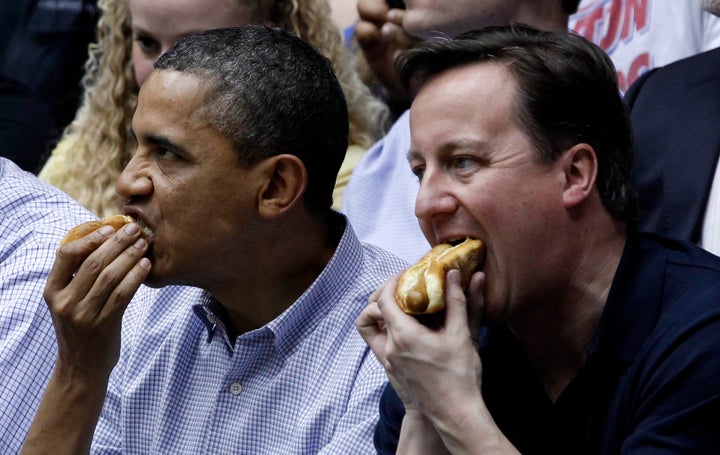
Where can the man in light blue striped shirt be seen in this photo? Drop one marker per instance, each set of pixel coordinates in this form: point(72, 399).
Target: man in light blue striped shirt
point(240, 135)
point(33, 218)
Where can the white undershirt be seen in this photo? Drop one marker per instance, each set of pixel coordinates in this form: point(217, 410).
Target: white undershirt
point(710, 239)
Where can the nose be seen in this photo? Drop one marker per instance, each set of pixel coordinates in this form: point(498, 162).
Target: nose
point(434, 198)
point(135, 180)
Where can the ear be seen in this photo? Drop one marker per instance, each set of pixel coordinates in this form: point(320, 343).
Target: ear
point(580, 168)
point(285, 184)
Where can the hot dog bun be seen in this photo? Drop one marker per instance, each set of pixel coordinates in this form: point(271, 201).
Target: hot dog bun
point(116, 221)
point(421, 289)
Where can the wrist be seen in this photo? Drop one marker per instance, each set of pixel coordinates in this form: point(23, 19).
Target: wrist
point(472, 430)
point(418, 435)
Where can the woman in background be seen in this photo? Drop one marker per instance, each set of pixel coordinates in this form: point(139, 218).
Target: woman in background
point(132, 34)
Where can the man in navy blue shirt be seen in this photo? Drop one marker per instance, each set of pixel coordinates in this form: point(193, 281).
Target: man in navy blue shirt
point(595, 338)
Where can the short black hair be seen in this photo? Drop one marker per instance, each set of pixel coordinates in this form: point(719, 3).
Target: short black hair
point(567, 94)
point(270, 93)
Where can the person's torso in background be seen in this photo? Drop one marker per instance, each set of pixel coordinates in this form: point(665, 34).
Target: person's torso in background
point(643, 34)
point(43, 45)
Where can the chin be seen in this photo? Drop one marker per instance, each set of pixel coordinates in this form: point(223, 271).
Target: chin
point(154, 281)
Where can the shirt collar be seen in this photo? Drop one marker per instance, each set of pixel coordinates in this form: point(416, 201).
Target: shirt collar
point(633, 305)
point(306, 312)
point(213, 317)
point(325, 293)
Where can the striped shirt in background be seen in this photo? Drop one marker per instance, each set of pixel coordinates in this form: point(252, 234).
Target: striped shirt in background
point(33, 218)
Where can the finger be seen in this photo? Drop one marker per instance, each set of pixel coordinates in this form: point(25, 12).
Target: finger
point(118, 281)
point(371, 327)
point(369, 318)
point(475, 298)
point(394, 34)
point(126, 289)
point(456, 314)
point(69, 257)
point(89, 271)
point(395, 16)
point(370, 40)
point(398, 323)
point(372, 10)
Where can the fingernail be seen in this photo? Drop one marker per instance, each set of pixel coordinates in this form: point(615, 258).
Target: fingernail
point(144, 263)
point(131, 228)
point(140, 244)
point(106, 230)
point(386, 29)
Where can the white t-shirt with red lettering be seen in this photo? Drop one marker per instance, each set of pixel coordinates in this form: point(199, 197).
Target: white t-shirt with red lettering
point(643, 34)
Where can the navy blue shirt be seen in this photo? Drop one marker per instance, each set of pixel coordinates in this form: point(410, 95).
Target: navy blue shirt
point(651, 383)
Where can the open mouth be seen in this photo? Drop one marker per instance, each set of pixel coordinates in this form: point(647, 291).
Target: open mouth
point(146, 230)
point(482, 247)
point(135, 219)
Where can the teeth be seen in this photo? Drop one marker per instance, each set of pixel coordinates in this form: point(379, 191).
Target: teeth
point(145, 229)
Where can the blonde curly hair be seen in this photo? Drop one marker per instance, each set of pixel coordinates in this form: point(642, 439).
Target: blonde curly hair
point(97, 145)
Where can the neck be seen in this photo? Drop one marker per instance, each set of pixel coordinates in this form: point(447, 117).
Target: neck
point(286, 262)
point(558, 332)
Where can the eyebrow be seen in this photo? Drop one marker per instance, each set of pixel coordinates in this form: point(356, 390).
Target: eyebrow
point(160, 141)
point(478, 146)
point(413, 154)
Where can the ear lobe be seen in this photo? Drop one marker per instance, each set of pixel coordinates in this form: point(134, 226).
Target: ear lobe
point(581, 167)
point(286, 183)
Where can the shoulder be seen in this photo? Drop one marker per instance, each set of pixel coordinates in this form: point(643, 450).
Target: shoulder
point(365, 261)
point(35, 211)
point(697, 70)
point(382, 261)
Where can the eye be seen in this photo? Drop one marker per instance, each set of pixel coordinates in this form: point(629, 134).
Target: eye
point(464, 164)
point(419, 171)
point(166, 154)
point(147, 44)
point(461, 162)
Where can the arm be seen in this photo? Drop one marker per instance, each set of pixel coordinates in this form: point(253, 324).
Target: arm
point(89, 287)
point(436, 373)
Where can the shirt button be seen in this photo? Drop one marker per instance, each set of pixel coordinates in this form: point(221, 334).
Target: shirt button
point(235, 388)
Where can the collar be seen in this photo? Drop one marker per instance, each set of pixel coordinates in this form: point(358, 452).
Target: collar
point(307, 311)
point(634, 301)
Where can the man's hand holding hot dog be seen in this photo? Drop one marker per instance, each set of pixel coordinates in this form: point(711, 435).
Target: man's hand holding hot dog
point(445, 358)
point(89, 287)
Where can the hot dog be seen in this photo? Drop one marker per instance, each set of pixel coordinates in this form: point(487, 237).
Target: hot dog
point(116, 221)
point(421, 288)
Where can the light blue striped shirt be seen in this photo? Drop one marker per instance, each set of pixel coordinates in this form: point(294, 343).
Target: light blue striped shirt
point(304, 383)
point(380, 197)
point(34, 217)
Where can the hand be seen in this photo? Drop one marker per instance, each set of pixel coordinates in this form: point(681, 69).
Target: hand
point(433, 369)
point(436, 372)
point(91, 283)
point(381, 38)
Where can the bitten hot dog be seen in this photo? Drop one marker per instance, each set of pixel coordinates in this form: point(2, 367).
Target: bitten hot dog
point(116, 221)
point(421, 289)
